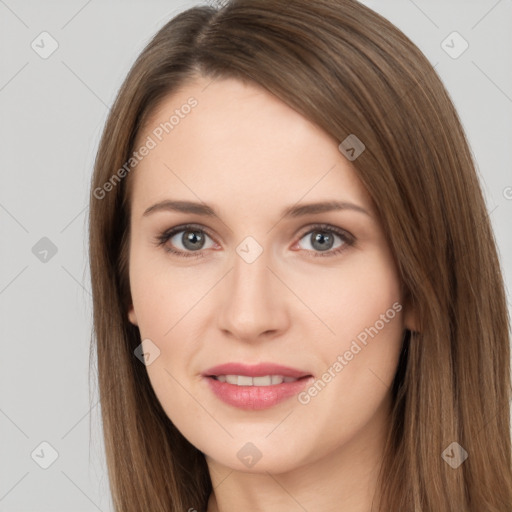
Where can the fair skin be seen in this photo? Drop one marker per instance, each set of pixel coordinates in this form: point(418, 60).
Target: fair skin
point(249, 156)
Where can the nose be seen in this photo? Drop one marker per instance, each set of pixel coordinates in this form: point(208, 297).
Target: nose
point(253, 301)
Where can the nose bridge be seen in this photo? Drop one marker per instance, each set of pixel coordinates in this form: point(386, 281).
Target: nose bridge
point(251, 304)
point(250, 276)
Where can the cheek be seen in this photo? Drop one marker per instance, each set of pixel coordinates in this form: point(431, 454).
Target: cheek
point(163, 293)
point(362, 306)
point(167, 302)
point(357, 381)
point(352, 297)
point(170, 302)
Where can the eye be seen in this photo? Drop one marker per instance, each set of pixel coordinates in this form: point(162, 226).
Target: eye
point(321, 240)
point(191, 238)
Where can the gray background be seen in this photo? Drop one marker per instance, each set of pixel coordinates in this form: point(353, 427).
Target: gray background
point(52, 114)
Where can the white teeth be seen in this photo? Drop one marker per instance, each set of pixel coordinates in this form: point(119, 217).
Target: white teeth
point(232, 379)
point(244, 380)
point(265, 381)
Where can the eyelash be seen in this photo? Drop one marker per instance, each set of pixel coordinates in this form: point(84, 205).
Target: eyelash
point(161, 240)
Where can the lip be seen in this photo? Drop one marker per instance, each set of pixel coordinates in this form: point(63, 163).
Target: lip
point(257, 370)
point(255, 397)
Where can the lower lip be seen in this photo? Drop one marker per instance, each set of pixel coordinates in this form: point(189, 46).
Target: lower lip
point(256, 397)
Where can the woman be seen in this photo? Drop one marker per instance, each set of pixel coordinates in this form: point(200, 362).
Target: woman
point(339, 340)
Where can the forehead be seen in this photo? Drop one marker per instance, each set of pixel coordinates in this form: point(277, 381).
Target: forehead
point(227, 142)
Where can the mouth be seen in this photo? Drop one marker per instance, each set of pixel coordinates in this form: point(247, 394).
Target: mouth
point(255, 387)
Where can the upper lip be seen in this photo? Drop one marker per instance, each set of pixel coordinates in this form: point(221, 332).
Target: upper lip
point(257, 370)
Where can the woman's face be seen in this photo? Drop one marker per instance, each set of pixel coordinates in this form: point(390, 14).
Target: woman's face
point(263, 280)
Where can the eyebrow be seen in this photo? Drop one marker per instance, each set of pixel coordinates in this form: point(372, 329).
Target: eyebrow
point(291, 211)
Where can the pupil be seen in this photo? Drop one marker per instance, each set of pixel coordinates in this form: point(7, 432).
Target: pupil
point(321, 240)
point(191, 238)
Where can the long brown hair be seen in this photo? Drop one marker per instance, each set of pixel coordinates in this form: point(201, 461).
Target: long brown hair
point(350, 71)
